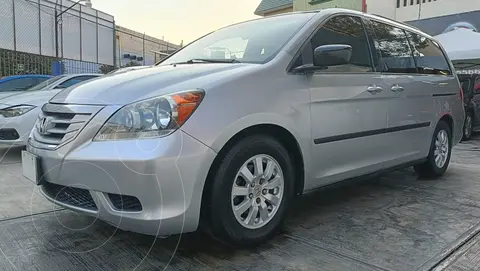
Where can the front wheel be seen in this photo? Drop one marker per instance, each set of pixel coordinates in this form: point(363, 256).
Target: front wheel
point(468, 127)
point(440, 151)
point(251, 191)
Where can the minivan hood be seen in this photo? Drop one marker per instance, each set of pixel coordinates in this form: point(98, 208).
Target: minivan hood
point(125, 88)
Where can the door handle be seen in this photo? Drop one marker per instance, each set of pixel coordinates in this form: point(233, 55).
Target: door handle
point(374, 89)
point(397, 88)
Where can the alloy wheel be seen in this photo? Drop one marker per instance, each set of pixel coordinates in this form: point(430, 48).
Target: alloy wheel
point(441, 148)
point(257, 191)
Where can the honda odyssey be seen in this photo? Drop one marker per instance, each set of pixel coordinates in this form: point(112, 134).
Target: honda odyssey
point(224, 133)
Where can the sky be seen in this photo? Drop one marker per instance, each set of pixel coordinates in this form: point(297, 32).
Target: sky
point(177, 20)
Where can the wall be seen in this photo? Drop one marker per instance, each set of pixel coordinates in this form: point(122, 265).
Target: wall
point(281, 11)
point(85, 34)
point(300, 5)
point(385, 8)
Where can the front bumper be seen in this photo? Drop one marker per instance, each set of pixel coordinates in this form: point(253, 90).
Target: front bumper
point(166, 175)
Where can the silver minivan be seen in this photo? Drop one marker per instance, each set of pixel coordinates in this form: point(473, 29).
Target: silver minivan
point(226, 132)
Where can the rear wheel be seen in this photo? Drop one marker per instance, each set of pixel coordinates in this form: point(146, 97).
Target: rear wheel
point(251, 191)
point(440, 151)
point(468, 127)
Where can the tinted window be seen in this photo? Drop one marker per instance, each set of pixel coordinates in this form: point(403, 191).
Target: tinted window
point(428, 55)
point(18, 84)
point(393, 49)
point(345, 30)
point(75, 80)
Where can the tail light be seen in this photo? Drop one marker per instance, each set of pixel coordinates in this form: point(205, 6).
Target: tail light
point(461, 94)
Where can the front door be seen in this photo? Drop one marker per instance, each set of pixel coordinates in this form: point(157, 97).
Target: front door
point(348, 107)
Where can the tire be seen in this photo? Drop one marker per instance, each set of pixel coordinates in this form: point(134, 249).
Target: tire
point(222, 222)
point(430, 169)
point(468, 127)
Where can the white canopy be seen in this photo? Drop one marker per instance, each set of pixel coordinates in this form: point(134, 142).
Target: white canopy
point(461, 44)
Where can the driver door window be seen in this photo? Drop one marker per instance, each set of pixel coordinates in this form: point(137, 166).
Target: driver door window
point(346, 30)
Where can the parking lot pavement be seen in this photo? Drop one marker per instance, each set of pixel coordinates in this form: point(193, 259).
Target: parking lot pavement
point(392, 222)
point(18, 196)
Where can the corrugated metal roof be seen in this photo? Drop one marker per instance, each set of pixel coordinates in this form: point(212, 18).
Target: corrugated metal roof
point(267, 5)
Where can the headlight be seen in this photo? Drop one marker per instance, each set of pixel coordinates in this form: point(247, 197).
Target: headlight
point(16, 110)
point(156, 117)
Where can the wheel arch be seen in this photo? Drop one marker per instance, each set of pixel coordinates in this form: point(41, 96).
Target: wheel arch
point(447, 118)
point(286, 138)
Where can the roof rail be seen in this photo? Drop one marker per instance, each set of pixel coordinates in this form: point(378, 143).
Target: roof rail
point(402, 23)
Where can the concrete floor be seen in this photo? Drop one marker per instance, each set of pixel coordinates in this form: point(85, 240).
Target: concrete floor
point(393, 222)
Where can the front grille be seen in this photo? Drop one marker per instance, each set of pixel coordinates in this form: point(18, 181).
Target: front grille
point(72, 196)
point(125, 203)
point(58, 123)
point(9, 134)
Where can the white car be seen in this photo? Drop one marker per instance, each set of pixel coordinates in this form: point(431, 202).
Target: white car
point(19, 112)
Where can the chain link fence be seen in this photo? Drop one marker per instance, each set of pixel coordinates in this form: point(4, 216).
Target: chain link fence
point(135, 49)
point(55, 37)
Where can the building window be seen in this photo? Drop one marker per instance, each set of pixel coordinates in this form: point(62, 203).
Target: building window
point(398, 3)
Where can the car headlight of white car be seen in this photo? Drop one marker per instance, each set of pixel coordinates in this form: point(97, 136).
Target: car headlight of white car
point(154, 117)
point(16, 110)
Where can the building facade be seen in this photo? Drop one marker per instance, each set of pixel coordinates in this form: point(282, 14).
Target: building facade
point(432, 16)
point(135, 48)
point(37, 35)
point(273, 7)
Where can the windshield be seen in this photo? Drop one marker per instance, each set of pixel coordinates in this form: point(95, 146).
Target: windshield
point(256, 41)
point(45, 84)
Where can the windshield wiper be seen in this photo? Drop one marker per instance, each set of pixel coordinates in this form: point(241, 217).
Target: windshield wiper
point(206, 60)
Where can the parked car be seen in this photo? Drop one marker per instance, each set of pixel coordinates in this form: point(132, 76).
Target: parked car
point(303, 100)
point(19, 112)
point(11, 85)
point(471, 89)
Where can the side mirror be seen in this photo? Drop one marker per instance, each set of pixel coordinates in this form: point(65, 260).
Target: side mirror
point(332, 55)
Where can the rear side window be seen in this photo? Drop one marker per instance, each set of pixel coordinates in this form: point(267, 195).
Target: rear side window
point(392, 46)
point(428, 55)
point(347, 30)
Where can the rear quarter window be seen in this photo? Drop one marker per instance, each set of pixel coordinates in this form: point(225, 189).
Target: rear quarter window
point(429, 57)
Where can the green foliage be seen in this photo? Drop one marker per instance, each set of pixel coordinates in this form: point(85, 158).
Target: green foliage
point(106, 69)
point(14, 63)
